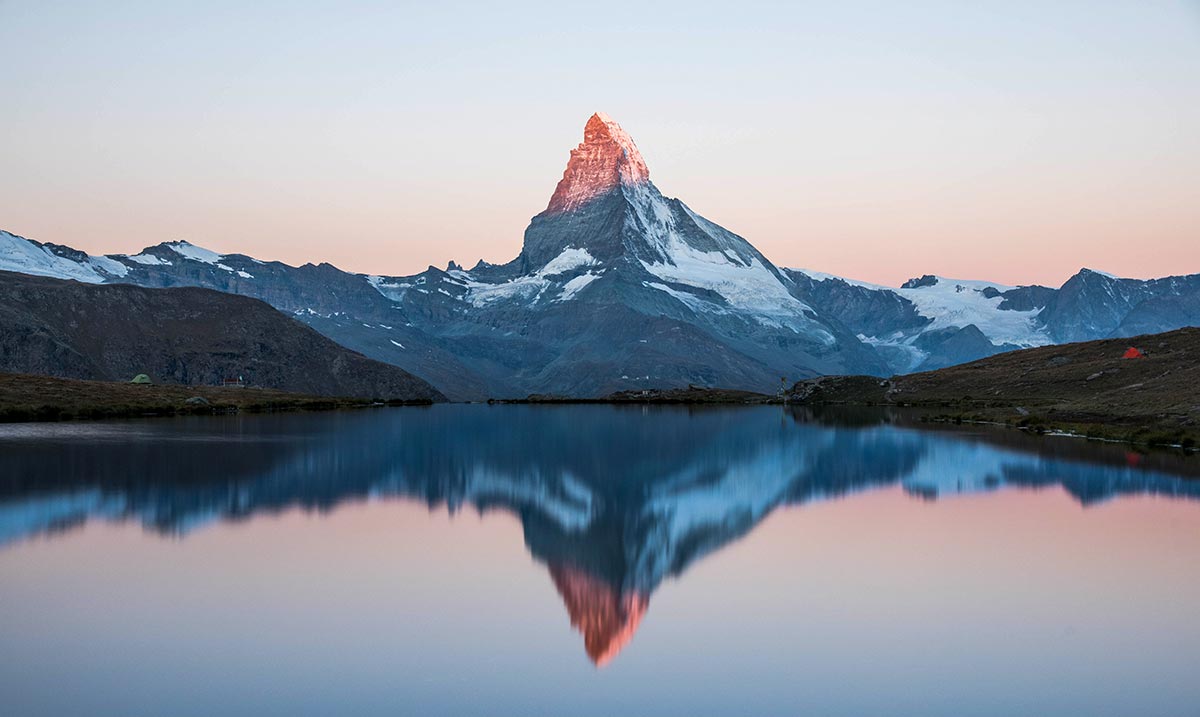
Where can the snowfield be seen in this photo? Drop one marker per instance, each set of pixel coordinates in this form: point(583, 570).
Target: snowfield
point(21, 255)
point(955, 303)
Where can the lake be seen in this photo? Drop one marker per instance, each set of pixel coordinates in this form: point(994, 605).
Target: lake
point(591, 560)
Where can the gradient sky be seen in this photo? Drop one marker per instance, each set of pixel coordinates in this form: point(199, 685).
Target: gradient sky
point(1013, 141)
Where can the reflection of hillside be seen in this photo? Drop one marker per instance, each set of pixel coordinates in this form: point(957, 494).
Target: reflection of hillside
point(612, 500)
point(1079, 451)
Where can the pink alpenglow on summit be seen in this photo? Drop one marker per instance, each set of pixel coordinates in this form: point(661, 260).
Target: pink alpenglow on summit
point(606, 158)
point(607, 617)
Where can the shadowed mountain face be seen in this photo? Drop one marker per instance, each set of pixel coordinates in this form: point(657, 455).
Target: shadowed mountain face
point(613, 501)
point(185, 336)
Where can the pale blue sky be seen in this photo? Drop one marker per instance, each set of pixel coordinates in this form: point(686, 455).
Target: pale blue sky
point(1014, 141)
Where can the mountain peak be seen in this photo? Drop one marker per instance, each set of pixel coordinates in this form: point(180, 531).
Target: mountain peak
point(605, 159)
point(1086, 270)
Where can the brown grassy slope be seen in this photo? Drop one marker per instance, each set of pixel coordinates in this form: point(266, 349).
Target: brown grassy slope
point(31, 398)
point(1089, 376)
point(1085, 387)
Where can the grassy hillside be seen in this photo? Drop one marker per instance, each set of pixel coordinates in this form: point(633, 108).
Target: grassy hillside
point(1085, 387)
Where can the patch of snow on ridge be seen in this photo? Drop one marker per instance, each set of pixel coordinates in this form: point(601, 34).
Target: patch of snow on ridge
point(954, 303)
point(572, 258)
point(390, 288)
point(110, 266)
point(751, 288)
point(24, 256)
point(822, 276)
point(733, 271)
point(196, 253)
point(231, 270)
point(901, 343)
point(148, 260)
point(574, 286)
point(692, 301)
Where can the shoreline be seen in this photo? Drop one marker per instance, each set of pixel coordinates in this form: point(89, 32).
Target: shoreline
point(35, 399)
point(26, 398)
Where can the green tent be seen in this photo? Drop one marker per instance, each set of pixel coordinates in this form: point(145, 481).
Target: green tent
point(141, 378)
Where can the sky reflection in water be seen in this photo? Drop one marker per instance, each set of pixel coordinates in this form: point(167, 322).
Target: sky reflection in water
point(334, 562)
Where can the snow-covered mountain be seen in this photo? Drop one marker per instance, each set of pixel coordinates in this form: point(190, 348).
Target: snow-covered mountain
point(619, 287)
point(934, 321)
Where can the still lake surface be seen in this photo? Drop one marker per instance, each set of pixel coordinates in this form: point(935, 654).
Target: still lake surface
point(592, 560)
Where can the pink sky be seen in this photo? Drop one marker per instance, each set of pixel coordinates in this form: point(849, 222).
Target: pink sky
point(1010, 142)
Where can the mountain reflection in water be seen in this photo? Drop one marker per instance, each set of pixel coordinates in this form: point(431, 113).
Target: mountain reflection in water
point(611, 499)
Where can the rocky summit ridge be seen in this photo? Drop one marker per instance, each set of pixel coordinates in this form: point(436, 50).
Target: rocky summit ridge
point(606, 158)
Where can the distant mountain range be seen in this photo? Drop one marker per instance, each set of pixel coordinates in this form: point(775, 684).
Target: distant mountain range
point(187, 336)
point(618, 287)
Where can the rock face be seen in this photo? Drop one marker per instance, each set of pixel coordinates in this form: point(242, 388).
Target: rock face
point(1095, 305)
point(620, 288)
point(185, 336)
point(606, 159)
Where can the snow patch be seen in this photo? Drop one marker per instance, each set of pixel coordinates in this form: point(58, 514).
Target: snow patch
point(530, 286)
point(109, 266)
point(148, 260)
point(956, 303)
point(390, 288)
point(692, 301)
point(24, 256)
point(733, 271)
point(197, 253)
point(822, 276)
point(574, 286)
point(571, 258)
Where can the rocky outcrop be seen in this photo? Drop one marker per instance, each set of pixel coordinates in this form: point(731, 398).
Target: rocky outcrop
point(605, 159)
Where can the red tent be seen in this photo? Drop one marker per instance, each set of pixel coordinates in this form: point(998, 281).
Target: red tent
point(1131, 352)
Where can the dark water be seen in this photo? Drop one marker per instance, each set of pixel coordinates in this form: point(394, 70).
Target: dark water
point(591, 560)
